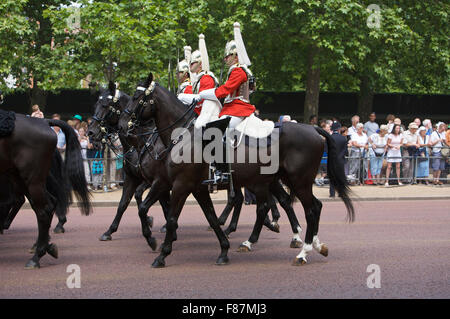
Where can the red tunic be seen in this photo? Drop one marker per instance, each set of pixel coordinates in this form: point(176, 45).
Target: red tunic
point(206, 82)
point(235, 107)
point(187, 89)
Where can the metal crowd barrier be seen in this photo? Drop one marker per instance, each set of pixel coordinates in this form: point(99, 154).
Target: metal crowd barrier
point(109, 174)
point(104, 174)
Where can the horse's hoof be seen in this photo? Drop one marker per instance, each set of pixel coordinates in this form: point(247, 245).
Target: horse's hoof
point(163, 229)
point(59, 230)
point(324, 250)
point(158, 264)
point(299, 262)
point(275, 227)
point(296, 244)
point(150, 221)
point(32, 250)
point(222, 261)
point(31, 264)
point(105, 237)
point(152, 243)
point(1, 231)
point(52, 250)
point(244, 249)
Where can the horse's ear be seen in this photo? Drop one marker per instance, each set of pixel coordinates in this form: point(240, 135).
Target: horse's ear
point(112, 87)
point(149, 79)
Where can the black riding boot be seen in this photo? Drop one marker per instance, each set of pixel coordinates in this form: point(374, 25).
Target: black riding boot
point(219, 172)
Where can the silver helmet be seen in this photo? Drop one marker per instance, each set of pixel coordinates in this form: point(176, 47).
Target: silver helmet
point(183, 67)
point(230, 48)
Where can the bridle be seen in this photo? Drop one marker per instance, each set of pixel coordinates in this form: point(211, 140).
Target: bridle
point(136, 116)
point(114, 109)
point(148, 98)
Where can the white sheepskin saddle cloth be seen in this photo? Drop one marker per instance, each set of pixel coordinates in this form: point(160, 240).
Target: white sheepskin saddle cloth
point(255, 127)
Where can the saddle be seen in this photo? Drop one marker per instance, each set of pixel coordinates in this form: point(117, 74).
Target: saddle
point(7, 123)
point(256, 132)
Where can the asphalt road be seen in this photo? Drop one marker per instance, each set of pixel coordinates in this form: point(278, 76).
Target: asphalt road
point(408, 240)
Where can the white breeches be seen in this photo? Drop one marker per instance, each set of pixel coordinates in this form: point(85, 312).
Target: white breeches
point(235, 120)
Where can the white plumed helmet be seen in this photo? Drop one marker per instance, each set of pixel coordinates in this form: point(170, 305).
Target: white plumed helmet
point(201, 55)
point(183, 66)
point(237, 46)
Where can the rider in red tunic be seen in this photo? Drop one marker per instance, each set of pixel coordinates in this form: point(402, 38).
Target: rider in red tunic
point(237, 88)
point(183, 73)
point(236, 91)
point(202, 78)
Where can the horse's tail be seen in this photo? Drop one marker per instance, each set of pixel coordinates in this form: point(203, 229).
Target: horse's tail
point(58, 185)
point(336, 174)
point(73, 166)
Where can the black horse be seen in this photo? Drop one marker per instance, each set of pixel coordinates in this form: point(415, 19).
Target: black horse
point(300, 151)
point(153, 152)
point(16, 202)
point(108, 109)
point(32, 164)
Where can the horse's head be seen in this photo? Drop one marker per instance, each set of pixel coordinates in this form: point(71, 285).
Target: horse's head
point(140, 108)
point(106, 115)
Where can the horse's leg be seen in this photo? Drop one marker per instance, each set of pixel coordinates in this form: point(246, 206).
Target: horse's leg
point(43, 214)
point(20, 200)
point(227, 210)
point(237, 203)
point(138, 196)
point(261, 212)
point(164, 200)
point(129, 187)
point(59, 229)
point(285, 202)
point(306, 197)
point(4, 210)
point(153, 195)
point(205, 202)
point(275, 213)
point(321, 248)
point(177, 200)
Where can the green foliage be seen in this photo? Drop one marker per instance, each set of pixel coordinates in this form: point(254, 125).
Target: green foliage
point(409, 52)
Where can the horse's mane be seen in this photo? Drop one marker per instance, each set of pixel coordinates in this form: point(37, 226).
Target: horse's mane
point(173, 99)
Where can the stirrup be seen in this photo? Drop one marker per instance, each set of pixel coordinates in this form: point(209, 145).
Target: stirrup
point(218, 178)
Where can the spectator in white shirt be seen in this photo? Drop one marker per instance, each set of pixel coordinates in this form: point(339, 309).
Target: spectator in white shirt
point(359, 142)
point(352, 129)
point(410, 147)
point(437, 141)
point(378, 143)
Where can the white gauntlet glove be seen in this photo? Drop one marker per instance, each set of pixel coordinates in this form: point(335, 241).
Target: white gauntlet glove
point(209, 94)
point(189, 98)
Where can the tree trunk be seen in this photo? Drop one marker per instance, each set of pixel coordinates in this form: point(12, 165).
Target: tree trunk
point(39, 97)
point(365, 98)
point(312, 85)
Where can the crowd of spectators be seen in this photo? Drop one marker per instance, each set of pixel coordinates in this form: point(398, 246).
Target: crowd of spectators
point(93, 157)
point(392, 153)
